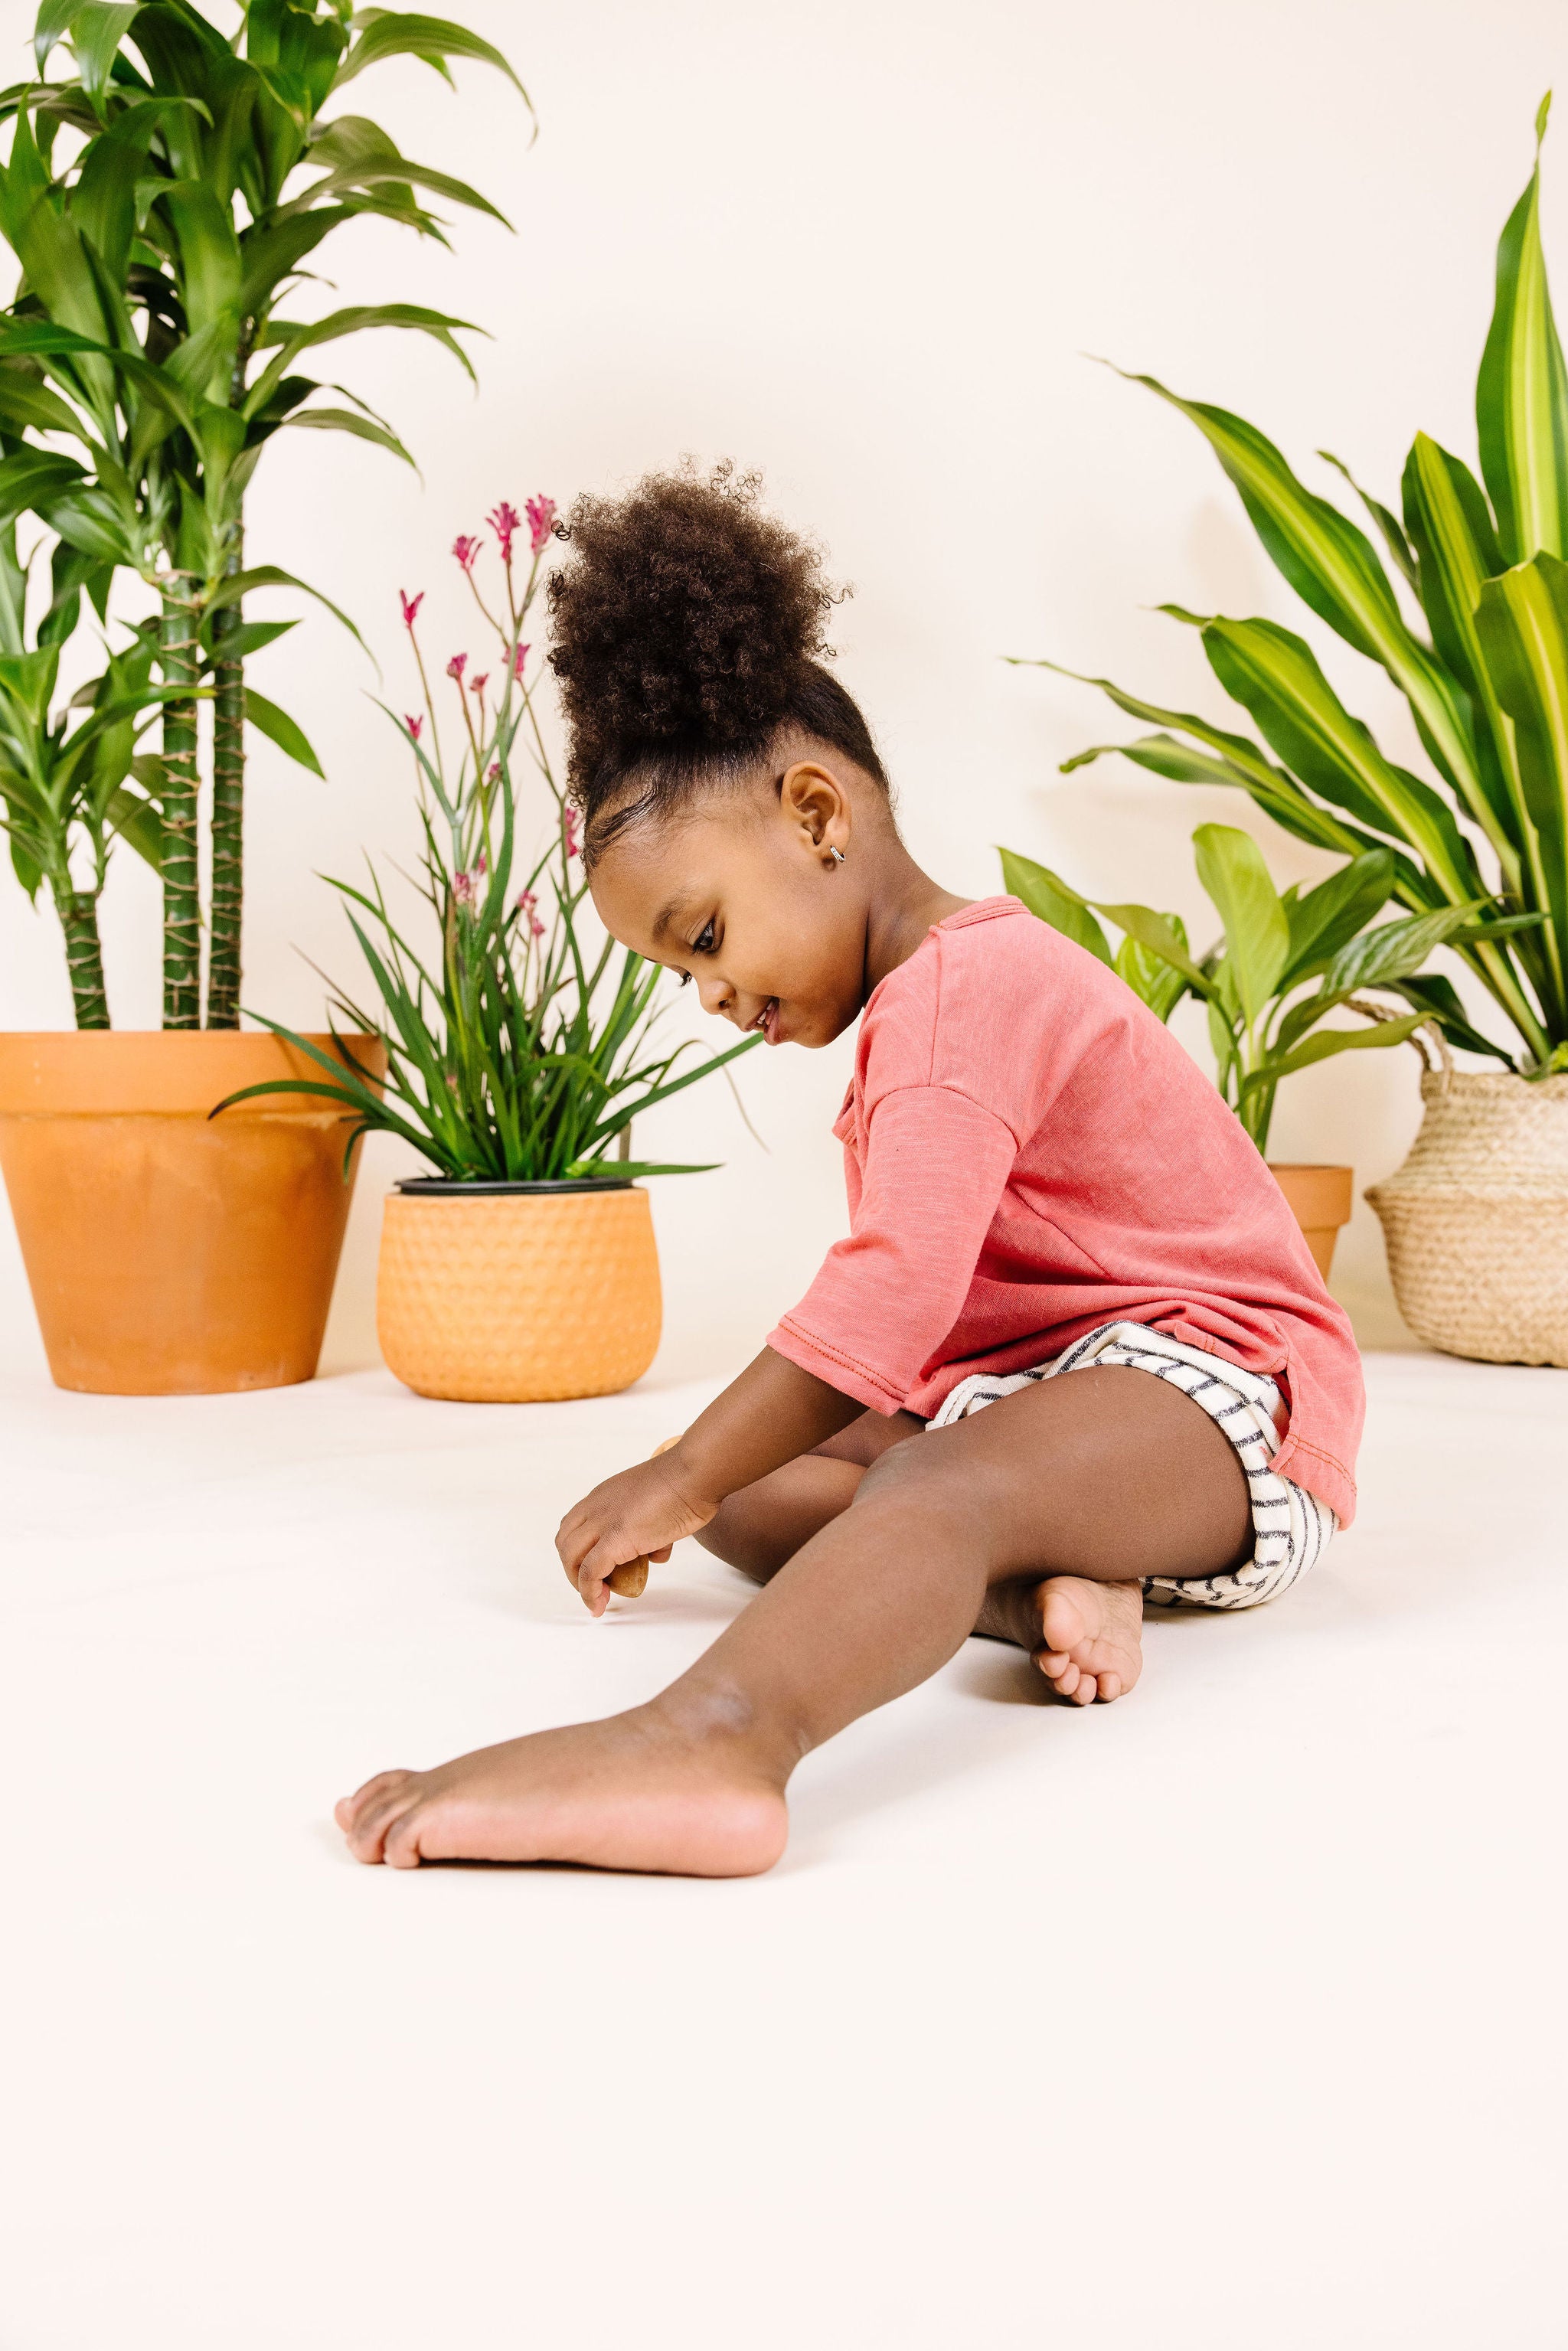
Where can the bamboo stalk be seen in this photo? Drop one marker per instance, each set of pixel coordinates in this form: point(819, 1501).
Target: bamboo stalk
point(77, 911)
point(180, 659)
point(229, 824)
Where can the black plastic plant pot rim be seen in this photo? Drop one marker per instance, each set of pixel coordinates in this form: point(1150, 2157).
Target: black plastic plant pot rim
point(456, 1188)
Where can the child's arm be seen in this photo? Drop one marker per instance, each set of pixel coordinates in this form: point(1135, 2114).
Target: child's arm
point(770, 1414)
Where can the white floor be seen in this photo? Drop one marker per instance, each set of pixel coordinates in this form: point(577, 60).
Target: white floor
point(1228, 2017)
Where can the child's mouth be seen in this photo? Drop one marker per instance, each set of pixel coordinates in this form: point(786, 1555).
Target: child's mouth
point(767, 1020)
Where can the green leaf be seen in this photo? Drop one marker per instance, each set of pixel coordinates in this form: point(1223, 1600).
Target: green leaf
point(1432, 994)
point(1523, 627)
point(1326, 1042)
point(1257, 934)
point(25, 404)
point(1326, 918)
point(1276, 676)
point(1396, 951)
point(347, 420)
point(1045, 894)
point(237, 584)
point(1332, 568)
point(96, 37)
point(294, 339)
point(1522, 392)
point(280, 728)
point(1155, 982)
point(1389, 523)
point(388, 33)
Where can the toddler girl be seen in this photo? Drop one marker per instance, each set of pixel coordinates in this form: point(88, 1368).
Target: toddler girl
point(1045, 1192)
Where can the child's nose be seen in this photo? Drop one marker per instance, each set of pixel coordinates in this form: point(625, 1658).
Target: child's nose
point(714, 995)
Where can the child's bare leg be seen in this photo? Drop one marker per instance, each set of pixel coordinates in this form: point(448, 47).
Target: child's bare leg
point(1086, 1638)
point(1100, 1477)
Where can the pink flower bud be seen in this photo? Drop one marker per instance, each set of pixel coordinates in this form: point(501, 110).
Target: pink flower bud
point(541, 521)
point(493, 773)
point(466, 550)
point(527, 902)
point(462, 888)
point(415, 726)
point(456, 665)
point(536, 926)
point(411, 605)
point(503, 520)
point(522, 654)
point(477, 684)
point(573, 837)
point(481, 864)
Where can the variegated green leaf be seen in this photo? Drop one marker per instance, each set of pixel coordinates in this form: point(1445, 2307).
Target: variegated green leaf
point(1522, 392)
point(1524, 628)
point(1332, 568)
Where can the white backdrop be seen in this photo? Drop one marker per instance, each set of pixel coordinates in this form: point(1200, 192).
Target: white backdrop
point(866, 248)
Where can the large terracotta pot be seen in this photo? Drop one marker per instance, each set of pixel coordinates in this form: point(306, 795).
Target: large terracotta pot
point(168, 1255)
point(517, 1293)
point(1476, 1221)
point(1320, 1199)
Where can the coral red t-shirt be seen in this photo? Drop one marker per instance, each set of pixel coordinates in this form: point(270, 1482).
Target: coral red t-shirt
point(1030, 1154)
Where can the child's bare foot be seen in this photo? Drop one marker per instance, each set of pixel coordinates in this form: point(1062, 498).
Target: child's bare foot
point(1086, 1638)
point(626, 1793)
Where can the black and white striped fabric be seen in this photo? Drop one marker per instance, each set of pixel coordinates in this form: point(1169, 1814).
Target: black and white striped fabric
point(1293, 1528)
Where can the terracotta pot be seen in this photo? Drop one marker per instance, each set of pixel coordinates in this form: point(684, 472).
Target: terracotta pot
point(517, 1293)
point(168, 1256)
point(1476, 1221)
point(1321, 1200)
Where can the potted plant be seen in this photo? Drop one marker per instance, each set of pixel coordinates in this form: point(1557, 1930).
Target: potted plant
point(517, 1056)
point(1284, 963)
point(1477, 1221)
point(160, 201)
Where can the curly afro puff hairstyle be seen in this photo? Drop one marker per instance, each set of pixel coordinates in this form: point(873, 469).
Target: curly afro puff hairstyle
point(687, 632)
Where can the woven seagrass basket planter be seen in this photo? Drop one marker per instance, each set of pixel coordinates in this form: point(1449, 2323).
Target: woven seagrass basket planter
point(1476, 1221)
point(517, 1293)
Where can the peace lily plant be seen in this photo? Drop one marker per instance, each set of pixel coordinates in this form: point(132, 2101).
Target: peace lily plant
point(1284, 963)
point(1471, 625)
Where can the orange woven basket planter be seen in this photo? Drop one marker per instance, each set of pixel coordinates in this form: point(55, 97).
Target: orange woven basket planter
point(517, 1296)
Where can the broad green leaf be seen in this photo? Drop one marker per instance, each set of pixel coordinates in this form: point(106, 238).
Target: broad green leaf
point(1276, 676)
point(1522, 392)
point(1324, 919)
point(1523, 627)
point(1045, 894)
point(1431, 993)
point(1329, 1042)
point(1396, 951)
point(280, 728)
point(1257, 934)
point(1157, 983)
point(51, 25)
point(1332, 568)
point(25, 404)
point(96, 35)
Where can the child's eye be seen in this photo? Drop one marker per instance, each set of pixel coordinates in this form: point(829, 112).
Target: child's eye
point(703, 943)
point(685, 977)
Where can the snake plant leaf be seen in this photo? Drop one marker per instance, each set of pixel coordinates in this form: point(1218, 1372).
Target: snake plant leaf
point(1324, 919)
point(1046, 895)
point(1275, 676)
point(1522, 391)
point(1523, 626)
point(1393, 530)
point(1333, 567)
point(280, 728)
point(1325, 1043)
point(1257, 931)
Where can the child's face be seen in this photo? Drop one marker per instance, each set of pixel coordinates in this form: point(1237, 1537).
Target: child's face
point(741, 892)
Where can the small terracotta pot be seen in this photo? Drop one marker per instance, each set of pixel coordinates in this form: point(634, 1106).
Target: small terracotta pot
point(517, 1293)
point(169, 1255)
point(1320, 1199)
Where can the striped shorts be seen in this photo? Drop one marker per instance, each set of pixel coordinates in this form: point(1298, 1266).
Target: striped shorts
point(1294, 1529)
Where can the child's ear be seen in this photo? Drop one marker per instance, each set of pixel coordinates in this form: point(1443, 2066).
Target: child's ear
point(813, 800)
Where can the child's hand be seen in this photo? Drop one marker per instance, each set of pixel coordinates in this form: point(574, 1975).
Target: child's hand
point(624, 1523)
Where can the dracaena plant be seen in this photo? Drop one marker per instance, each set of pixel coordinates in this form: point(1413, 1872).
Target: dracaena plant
point(515, 1051)
point(71, 779)
point(1284, 961)
point(1471, 624)
point(163, 200)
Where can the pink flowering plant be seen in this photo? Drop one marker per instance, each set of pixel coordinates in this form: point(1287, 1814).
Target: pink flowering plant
point(515, 1052)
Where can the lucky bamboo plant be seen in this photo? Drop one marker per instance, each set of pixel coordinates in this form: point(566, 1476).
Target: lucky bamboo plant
point(513, 1051)
point(148, 335)
point(1283, 962)
point(1487, 683)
